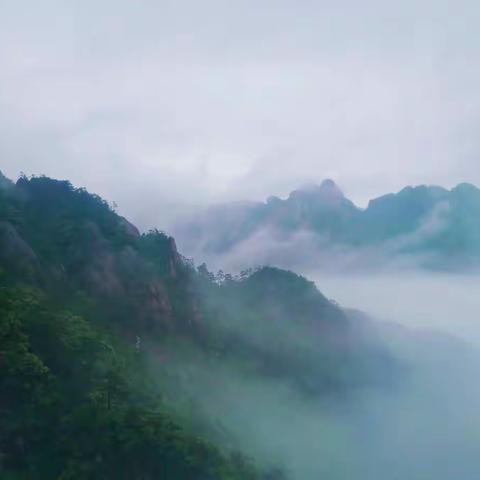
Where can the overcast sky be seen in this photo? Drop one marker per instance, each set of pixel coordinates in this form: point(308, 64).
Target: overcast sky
point(160, 104)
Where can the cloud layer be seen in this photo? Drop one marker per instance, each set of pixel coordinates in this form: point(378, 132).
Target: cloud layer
point(180, 103)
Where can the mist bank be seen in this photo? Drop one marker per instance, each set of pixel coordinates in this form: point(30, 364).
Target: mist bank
point(305, 251)
point(421, 424)
point(416, 422)
point(447, 303)
point(410, 275)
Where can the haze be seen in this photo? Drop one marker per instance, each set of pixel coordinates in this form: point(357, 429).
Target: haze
point(419, 300)
point(164, 107)
point(182, 103)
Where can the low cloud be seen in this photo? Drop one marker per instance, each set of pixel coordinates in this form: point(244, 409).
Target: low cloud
point(304, 250)
point(148, 104)
point(420, 425)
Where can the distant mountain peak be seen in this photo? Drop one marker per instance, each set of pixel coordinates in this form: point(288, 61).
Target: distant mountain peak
point(425, 225)
point(466, 188)
point(327, 187)
point(327, 193)
point(329, 184)
point(330, 188)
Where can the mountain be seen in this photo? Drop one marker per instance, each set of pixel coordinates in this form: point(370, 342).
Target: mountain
point(424, 226)
point(81, 292)
point(121, 359)
point(105, 332)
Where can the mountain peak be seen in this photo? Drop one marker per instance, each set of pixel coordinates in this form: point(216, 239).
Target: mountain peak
point(465, 188)
point(328, 188)
point(328, 183)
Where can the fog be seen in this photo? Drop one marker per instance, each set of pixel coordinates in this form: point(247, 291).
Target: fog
point(449, 303)
point(303, 251)
point(181, 103)
point(421, 424)
point(420, 291)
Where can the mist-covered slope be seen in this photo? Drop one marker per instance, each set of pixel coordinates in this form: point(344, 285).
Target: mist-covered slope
point(121, 359)
point(99, 324)
point(425, 226)
point(80, 287)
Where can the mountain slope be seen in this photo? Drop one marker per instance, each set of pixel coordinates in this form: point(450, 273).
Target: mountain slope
point(121, 359)
point(100, 326)
point(79, 286)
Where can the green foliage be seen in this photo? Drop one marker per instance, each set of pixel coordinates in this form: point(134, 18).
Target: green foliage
point(90, 306)
point(76, 399)
point(156, 246)
point(72, 408)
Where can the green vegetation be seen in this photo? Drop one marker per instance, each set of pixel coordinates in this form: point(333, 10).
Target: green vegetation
point(76, 399)
point(108, 335)
point(72, 406)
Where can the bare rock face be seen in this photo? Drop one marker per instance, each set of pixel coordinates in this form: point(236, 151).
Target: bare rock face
point(156, 309)
point(102, 275)
point(125, 274)
point(100, 272)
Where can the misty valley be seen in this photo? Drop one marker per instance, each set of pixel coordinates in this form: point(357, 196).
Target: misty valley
point(307, 339)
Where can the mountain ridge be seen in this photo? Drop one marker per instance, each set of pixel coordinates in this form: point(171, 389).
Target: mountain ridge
point(444, 219)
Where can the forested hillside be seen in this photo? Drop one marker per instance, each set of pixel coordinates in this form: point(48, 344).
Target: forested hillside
point(98, 324)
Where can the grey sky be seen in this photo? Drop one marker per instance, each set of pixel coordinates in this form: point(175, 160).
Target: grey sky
point(162, 104)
